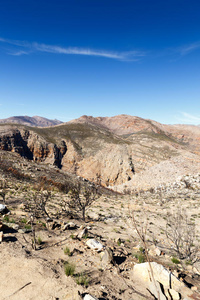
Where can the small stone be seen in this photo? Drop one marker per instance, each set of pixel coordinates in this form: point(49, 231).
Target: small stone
point(118, 241)
point(94, 245)
point(69, 226)
point(13, 226)
point(1, 236)
point(22, 206)
point(49, 220)
point(106, 257)
point(89, 297)
point(82, 233)
point(157, 251)
point(55, 225)
point(194, 288)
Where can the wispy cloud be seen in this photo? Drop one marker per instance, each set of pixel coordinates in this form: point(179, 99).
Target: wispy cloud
point(188, 118)
point(24, 48)
point(189, 48)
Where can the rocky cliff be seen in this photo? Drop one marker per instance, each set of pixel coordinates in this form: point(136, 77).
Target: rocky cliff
point(118, 151)
point(28, 144)
point(90, 157)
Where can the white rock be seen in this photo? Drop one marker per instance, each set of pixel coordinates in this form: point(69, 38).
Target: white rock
point(82, 233)
point(158, 251)
point(106, 257)
point(155, 289)
point(94, 245)
point(1, 236)
point(142, 272)
point(175, 295)
point(69, 225)
point(2, 207)
point(89, 297)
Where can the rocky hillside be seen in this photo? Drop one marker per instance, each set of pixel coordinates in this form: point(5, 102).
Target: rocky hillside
point(31, 121)
point(124, 125)
point(122, 152)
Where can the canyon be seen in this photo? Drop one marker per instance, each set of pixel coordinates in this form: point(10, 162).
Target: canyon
point(121, 152)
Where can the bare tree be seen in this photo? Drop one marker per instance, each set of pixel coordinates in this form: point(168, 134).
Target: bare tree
point(36, 206)
point(180, 231)
point(37, 202)
point(3, 190)
point(81, 198)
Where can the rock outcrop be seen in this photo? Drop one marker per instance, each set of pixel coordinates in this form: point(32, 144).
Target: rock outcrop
point(28, 144)
point(157, 279)
point(105, 160)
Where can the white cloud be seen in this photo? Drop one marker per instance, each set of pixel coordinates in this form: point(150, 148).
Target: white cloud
point(19, 53)
point(27, 48)
point(188, 118)
point(184, 50)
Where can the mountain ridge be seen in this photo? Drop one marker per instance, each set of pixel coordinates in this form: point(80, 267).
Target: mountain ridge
point(114, 151)
point(35, 121)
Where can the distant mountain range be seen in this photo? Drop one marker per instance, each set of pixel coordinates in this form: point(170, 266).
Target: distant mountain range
point(34, 121)
point(121, 151)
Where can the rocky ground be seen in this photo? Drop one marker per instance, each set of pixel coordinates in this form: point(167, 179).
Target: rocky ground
point(139, 236)
point(115, 223)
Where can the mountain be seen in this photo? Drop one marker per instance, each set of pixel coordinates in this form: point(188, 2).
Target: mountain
point(126, 125)
point(34, 121)
point(121, 152)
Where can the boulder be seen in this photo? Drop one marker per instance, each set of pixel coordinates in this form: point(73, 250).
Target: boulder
point(155, 289)
point(174, 295)
point(142, 273)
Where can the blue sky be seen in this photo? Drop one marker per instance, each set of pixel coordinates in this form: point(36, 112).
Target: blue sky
point(66, 58)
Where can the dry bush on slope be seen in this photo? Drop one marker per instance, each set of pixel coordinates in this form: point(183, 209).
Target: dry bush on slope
point(180, 231)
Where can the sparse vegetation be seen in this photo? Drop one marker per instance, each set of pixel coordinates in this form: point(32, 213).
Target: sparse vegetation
point(67, 251)
point(69, 269)
point(180, 231)
point(81, 198)
point(39, 240)
point(82, 280)
point(175, 260)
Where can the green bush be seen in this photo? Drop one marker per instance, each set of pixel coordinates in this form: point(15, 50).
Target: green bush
point(82, 280)
point(6, 219)
point(39, 240)
point(23, 220)
point(175, 260)
point(27, 226)
point(67, 251)
point(140, 257)
point(69, 269)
